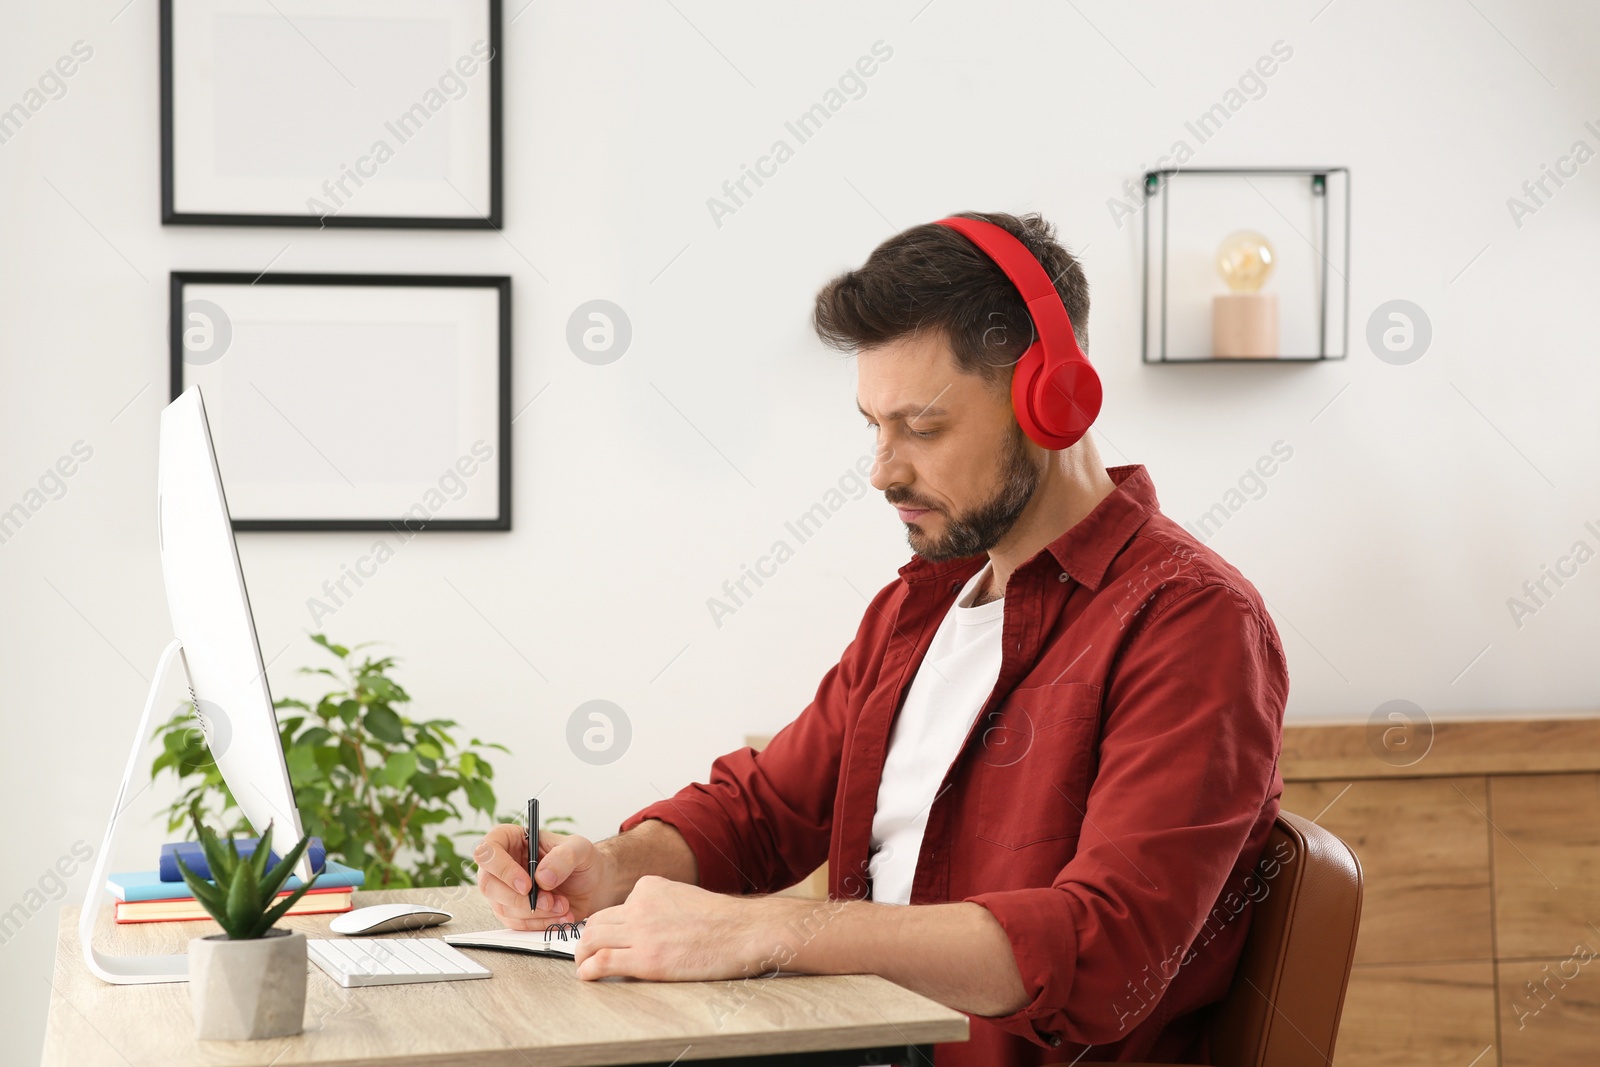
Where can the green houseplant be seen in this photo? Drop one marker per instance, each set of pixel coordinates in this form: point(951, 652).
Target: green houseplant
point(250, 980)
point(374, 784)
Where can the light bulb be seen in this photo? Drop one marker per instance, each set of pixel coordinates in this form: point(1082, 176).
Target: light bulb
point(1245, 260)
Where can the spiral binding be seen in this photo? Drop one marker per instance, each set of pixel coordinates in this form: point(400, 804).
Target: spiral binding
point(561, 930)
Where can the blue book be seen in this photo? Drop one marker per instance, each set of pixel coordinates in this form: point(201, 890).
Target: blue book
point(194, 857)
point(132, 886)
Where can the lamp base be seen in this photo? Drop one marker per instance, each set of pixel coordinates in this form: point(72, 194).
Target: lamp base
point(1245, 325)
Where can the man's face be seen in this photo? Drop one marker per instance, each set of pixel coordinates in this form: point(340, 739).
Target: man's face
point(951, 457)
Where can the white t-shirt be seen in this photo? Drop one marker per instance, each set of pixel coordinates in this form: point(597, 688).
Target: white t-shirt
point(952, 684)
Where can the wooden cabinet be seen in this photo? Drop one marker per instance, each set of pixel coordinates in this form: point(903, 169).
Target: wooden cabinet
point(1479, 945)
point(1419, 1015)
point(1546, 863)
point(1425, 858)
point(1547, 1017)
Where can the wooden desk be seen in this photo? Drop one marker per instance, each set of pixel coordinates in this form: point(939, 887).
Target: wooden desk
point(532, 1013)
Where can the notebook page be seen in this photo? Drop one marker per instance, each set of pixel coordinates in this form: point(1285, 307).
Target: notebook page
point(528, 941)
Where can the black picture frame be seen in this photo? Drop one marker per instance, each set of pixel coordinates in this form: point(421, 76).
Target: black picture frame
point(493, 220)
point(501, 284)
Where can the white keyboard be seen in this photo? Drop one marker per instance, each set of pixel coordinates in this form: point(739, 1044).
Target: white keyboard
point(391, 960)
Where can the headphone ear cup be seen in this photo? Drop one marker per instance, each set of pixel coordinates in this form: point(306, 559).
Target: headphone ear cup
point(1068, 400)
point(1057, 409)
point(1022, 392)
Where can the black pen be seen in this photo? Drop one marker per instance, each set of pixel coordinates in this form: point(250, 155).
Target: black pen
point(533, 853)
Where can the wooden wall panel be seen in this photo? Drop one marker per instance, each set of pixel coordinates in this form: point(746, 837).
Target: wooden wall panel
point(1550, 1010)
point(1454, 748)
point(1426, 1015)
point(1424, 851)
point(1546, 863)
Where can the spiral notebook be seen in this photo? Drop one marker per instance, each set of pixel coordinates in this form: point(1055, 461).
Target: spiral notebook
point(560, 939)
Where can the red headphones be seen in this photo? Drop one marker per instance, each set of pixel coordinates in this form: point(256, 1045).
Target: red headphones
point(1054, 391)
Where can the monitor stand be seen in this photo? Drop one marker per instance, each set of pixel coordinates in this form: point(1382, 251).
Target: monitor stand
point(129, 970)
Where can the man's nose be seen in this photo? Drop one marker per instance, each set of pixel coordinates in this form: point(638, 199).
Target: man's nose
point(887, 469)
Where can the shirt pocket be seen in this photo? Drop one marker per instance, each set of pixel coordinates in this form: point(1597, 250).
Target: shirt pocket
point(1036, 754)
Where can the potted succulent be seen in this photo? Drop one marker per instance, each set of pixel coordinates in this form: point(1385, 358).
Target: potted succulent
point(250, 980)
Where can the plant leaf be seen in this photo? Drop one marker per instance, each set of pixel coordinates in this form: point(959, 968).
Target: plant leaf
point(244, 902)
point(302, 763)
point(273, 882)
point(209, 896)
point(281, 908)
point(384, 724)
point(216, 856)
point(337, 650)
point(480, 795)
point(398, 769)
point(317, 735)
point(258, 858)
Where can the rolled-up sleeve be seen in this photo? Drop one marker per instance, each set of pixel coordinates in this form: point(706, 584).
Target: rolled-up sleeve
point(762, 821)
point(1187, 765)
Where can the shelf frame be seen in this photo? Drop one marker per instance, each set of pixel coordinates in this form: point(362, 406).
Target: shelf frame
point(1154, 180)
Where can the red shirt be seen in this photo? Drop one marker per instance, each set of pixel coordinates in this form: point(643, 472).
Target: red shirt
point(1106, 808)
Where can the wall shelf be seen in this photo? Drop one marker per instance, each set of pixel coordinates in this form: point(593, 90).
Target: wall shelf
point(1303, 211)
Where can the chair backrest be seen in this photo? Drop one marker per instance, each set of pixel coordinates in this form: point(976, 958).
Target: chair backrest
point(1288, 992)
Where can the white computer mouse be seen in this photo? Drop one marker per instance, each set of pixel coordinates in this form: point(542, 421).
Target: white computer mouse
point(388, 919)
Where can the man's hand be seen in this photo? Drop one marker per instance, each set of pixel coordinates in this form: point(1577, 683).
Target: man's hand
point(647, 925)
point(667, 931)
point(573, 875)
point(670, 931)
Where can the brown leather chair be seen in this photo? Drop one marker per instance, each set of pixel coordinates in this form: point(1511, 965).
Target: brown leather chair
point(1288, 991)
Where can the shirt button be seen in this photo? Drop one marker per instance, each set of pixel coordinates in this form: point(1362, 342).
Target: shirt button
point(1055, 1040)
point(1062, 577)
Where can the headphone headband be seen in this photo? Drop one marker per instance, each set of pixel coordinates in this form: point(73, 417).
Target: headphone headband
point(1054, 389)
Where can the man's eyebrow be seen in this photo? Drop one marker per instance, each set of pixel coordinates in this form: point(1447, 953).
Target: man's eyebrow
point(909, 412)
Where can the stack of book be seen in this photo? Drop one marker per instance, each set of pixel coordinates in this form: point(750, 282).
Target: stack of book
point(162, 895)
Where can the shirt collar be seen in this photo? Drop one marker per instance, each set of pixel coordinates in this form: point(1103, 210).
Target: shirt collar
point(1086, 549)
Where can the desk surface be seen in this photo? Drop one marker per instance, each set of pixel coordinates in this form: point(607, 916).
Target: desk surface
point(533, 1013)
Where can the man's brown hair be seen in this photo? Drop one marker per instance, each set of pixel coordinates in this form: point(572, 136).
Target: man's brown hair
point(931, 278)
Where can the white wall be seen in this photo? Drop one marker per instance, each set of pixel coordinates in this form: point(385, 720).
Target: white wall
point(1414, 505)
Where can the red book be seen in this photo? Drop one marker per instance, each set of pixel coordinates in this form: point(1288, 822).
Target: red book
point(314, 902)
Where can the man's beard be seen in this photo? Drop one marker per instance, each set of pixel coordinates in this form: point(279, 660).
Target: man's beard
point(981, 528)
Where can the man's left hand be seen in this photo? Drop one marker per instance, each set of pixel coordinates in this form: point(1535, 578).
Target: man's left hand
point(675, 932)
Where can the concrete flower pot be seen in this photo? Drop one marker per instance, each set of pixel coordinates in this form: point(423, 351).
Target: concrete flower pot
point(248, 989)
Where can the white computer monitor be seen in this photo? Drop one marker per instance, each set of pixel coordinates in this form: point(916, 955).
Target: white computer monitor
point(211, 619)
point(215, 642)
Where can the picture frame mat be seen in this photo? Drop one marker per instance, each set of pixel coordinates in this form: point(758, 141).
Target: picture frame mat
point(325, 405)
point(296, 129)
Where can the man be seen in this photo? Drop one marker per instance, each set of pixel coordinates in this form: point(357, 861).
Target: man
point(1055, 736)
